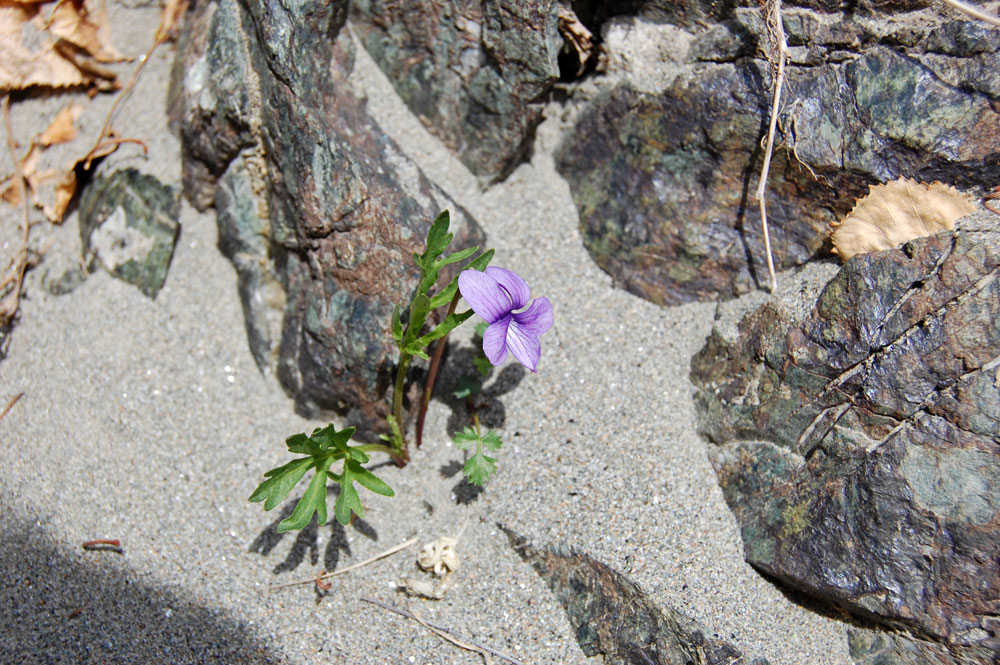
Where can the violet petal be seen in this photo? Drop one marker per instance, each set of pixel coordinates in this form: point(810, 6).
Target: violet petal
point(484, 295)
point(524, 344)
point(512, 283)
point(495, 341)
point(537, 319)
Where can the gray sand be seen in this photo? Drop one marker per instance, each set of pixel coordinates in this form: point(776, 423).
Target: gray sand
point(148, 421)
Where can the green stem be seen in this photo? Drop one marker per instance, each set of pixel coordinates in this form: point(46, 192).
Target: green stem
point(376, 448)
point(432, 373)
point(399, 443)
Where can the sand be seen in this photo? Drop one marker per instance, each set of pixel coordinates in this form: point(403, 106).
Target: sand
point(147, 421)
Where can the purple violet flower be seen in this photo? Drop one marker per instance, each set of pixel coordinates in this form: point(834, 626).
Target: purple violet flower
point(494, 295)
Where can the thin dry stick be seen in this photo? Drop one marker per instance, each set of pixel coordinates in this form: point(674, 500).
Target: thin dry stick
point(312, 580)
point(21, 261)
point(779, 52)
point(10, 404)
point(458, 639)
point(974, 12)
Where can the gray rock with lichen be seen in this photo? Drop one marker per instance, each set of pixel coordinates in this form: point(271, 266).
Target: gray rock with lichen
point(319, 211)
point(858, 445)
point(129, 226)
point(664, 180)
point(476, 72)
point(613, 617)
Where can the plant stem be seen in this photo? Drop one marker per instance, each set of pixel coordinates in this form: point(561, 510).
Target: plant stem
point(779, 54)
point(399, 442)
point(377, 448)
point(432, 373)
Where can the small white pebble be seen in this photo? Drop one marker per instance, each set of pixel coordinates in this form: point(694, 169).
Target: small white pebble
point(227, 369)
point(168, 613)
point(230, 378)
point(149, 372)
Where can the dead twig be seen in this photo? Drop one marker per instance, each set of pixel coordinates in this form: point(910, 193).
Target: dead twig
point(778, 55)
point(10, 404)
point(974, 12)
point(315, 580)
point(447, 634)
point(10, 301)
point(989, 198)
point(104, 544)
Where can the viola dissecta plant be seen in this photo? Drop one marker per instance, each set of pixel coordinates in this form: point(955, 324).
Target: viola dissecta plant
point(511, 324)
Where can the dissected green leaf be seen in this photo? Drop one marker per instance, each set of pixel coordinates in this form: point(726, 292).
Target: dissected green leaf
point(480, 262)
point(301, 444)
point(418, 315)
point(460, 255)
point(397, 326)
point(465, 439)
point(451, 322)
point(369, 479)
point(466, 386)
point(438, 238)
point(444, 296)
point(479, 468)
point(313, 501)
point(358, 455)
point(492, 440)
point(280, 482)
point(483, 365)
point(348, 501)
point(329, 438)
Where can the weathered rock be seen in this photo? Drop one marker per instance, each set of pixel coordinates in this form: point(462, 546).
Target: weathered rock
point(319, 211)
point(859, 447)
point(476, 72)
point(613, 617)
point(664, 181)
point(129, 226)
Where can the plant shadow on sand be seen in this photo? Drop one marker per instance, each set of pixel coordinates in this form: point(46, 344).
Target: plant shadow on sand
point(492, 413)
point(59, 606)
point(307, 540)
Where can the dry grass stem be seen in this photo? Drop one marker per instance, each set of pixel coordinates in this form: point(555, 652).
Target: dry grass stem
point(10, 301)
point(10, 405)
point(446, 634)
point(314, 580)
point(778, 55)
point(974, 12)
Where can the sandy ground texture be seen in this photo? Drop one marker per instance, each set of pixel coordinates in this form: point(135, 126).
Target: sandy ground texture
point(147, 421)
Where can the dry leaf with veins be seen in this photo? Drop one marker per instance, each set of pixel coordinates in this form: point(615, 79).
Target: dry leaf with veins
point(897, 212)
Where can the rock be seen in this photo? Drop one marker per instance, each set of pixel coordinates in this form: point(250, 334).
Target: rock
point(129, 226)
point(858, 445)
point(612, 616)
point(664, 179)
point(319, 211)
point(476, 72)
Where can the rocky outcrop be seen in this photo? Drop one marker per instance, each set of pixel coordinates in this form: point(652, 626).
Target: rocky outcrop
point(612, 616)
point(476, 72)
point(319, 211)
point(858, 446)
point(129, 226)
point(664, 178)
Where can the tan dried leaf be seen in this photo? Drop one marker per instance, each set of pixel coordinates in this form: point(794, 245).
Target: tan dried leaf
point(22, 67)
point(173, 10)
point(63, 128)
point(897, 212)
point(84, 23)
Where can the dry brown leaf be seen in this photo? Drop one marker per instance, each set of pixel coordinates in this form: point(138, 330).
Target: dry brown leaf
point(84, 23)
point(22, 67)
point(578, 35)
point(897, 212)
point(172, 12)
point(63, 128)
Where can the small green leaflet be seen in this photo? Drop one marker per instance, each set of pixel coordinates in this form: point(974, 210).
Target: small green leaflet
point(467, 386)
point(324, 447)
point(479, 467)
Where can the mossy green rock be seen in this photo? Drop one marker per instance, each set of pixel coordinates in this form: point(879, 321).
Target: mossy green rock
point(129, 226)
point(318, 209)
point(859, 447)
point(664, 180)
point(476, 72)
point(614, 617)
